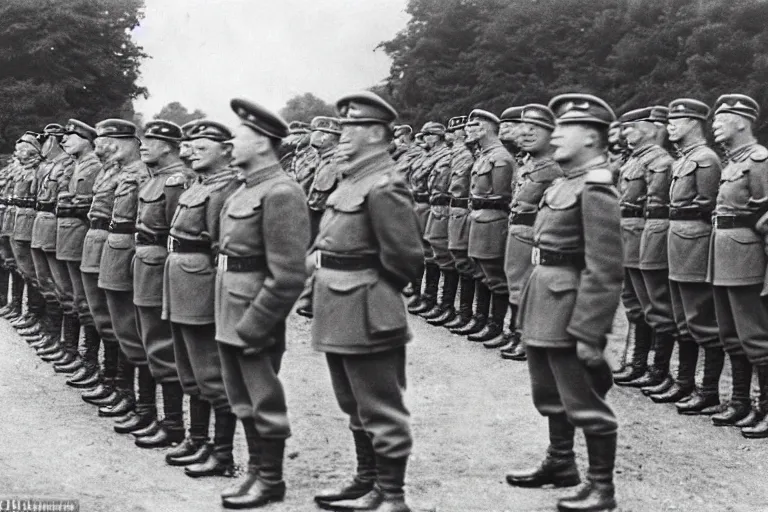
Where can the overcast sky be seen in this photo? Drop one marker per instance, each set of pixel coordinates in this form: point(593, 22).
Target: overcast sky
point(205, 52)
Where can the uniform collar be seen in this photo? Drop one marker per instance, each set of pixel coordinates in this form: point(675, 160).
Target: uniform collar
point(491, 147)
point(367, 165)
point(255, 176)
point(687, 150)
point(598, 161)
point(641, 150)
point(223, 174)
point(168, 169)
point(738, 154)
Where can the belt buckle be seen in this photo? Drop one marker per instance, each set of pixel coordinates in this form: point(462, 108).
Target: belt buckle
point(136, 238)
point(536, 256)
point(318, 259)
point(169, 245)
point(223, 262)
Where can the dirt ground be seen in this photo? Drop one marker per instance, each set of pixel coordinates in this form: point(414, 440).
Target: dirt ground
point(472, 419)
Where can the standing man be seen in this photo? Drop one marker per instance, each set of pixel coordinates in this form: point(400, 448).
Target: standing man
point(263, 241)
point(533, 179)
point(188, 300)
point(13, 308)
point(695, 181)
point(306, 158)
point(368, 248)
point(324, 138)
point(490, 192)
point(568, 305)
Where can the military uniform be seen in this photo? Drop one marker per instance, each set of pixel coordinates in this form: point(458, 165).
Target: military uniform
point(304, 166)
point(5, 270)
point(6, 249)
point(326, 176)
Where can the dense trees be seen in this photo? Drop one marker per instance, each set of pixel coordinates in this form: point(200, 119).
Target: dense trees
point(178, 113)
point(455, 55)
point(304, 107)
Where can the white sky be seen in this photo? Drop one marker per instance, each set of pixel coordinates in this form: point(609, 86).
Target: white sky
point(205, 52)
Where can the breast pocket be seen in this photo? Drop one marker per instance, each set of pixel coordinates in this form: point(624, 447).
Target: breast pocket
point(482, 179)
point(126, 204)
point(152, 208)
point(245, 225)
point(191, 218)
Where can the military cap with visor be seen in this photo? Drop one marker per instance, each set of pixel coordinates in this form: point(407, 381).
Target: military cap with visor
point(116, 129)
point(637, 115)
point(81, 129)
point(739, 104)
point(298, 128)
point(456, 123)
point(690, 108)
point(163, 130)
point(512, 115)
point(478, 114)
point(402, 129)
point(659, 114)
point(260, 119)
point(326, 124)
point(31, 138)
point(365, 107)
point(539, 115)
point(187, 127)
point(433, 128)
point(53, 130)
point(210, 130)
point(578, 108)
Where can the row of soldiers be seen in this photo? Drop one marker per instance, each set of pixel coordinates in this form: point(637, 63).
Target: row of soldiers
point(180, 251)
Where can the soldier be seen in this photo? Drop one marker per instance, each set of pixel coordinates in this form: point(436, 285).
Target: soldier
point(264, 234)
point(401, 142)
point(368, 248)
point(568, 305)
point(324, 138)
point(306, 159)
point(185, 146)
point(491, 191)
point(695, 180)
point(618, 152)
point(458, 223)
point(510, 131)
point(74, 201)
point(533, 179)
point(288, 146)
point(737, 260)
point(13, 309)
point(188, 298)
point(115, 271)
point(5, 270)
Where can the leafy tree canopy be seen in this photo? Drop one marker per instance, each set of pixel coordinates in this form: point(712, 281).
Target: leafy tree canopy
point(304, 107)
point(178, 113)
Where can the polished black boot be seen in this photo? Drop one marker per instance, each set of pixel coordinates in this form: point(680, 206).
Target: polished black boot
point(171, 431)
point(4, 280)
point(387, 495)
point(640, 339)
point(664, 345)
point(493, 334)
point(125, 394)
point(88, 374)
point(738, 408)
point(429, 296)
point(687, 355)
point(466, 299)
point(362, 482)
point(195, 448)
point(415, 298)
point(71, 340)
point(17, 295)
point(269, 486)
point(482, 307)
point(220, 463)
point(559, 467)
point(515, 352)
point(598, 493)
point(106, 387)
point(253, 440)
point(436, 309)
point(408, 291)
point(760, 429)
point(146, 410)
point(447, 299)
point(706, 401)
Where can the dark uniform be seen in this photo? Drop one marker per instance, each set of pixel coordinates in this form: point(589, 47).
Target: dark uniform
point(326, 176)
point(567, 309)
point(6, 250)
point(305, 164)
point(5, 270)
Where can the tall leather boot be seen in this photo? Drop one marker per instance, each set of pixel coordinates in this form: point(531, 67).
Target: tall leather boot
point(492, 336)
point(195, 448)
point(71, 362)
point(146, 409)
point(685, 383)
point(447, 311)
point(738, 408)
point(364, 479)
point(759, 429)
point(598, 493)
point(125, 398)
point(415, 297)
point(57, 349)
point(4, 277)
point(45, 338)
point(171, 427)
point(253, 440)
point(88, 374)
point(386, 496)
point(221, 462)
point(706, 400)
point(478, 321)
point(466, 299)
point(559, 465)
point(105, 389)
point(664, 345)
point(17, 294)
point(269, 486)
point(640, 339)
point(35, 308)
point(431, 284)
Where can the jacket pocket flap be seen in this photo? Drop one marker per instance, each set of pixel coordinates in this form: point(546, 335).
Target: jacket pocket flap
point(563, 282)
point(743, 236)
point(343, 281)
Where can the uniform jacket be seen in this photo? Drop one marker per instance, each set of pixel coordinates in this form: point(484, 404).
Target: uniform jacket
point(695, 180)
point(737, 256)
point(532, 180)
point(24, 188)
point(115, 270)
point(492, 176)
point(9, 213)
point(370, 213)
point(77, 195)
point(54, 176)
point(462, 160)
point(438, 183)
point(653, 243)
point(5, 176)
point(563, 304)
point(190, 278)
point(304, 165)
point(633, 189)
point(326, 178)
point(267, 216)
point(102, 202)
point(158, 197)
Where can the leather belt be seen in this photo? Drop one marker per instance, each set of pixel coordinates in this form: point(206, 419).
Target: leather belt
point(421, 197)
point(346, 262)
point(557, 259)
point(188, 246)
point(657, 212)
point(688, 214)
point(46, 207)
point(122, 228)
point(632, 213)
point(733, 221)
point(100, 224)
point(242, 263)
point(142, 238)
point(24, 202)
point(460, 202)
point(441, 200)
point(523, 218)
point(490, 204)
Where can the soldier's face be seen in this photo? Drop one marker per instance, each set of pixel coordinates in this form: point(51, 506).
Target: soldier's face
point(459, 135)
point(533, 138)
point(614, 135)
point(246, 145)
point(679, 128)
point(449, 137)
point(725, 126)
point(24, 151)
point(569, 141)
point(185, 150)
point(208, 155)
point(431, 140)
point(49, 143)
point(355, 138)
point(475, 130)
point(102, 147)
point(636, 133)
point(74, 144)
point(507, 132)
point(152, 150)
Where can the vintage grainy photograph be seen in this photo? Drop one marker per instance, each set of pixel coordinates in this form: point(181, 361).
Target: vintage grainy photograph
point(384, 255)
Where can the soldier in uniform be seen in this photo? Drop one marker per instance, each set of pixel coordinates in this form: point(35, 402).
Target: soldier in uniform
point(490, 193)
point(533, 179)
point(185, 146)
point(368, 248)
point(264, 234)
point(188, 298)
point(5, 270)
point(115, 271)
point(695, 181)
point(458, 223)
point(737, 260)
point(324, 138)
point(74, 201)
point(401, 142)
point(306, 159)
point(568, 305)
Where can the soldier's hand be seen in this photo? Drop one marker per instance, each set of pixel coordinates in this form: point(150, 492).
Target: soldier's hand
point(590, 355)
